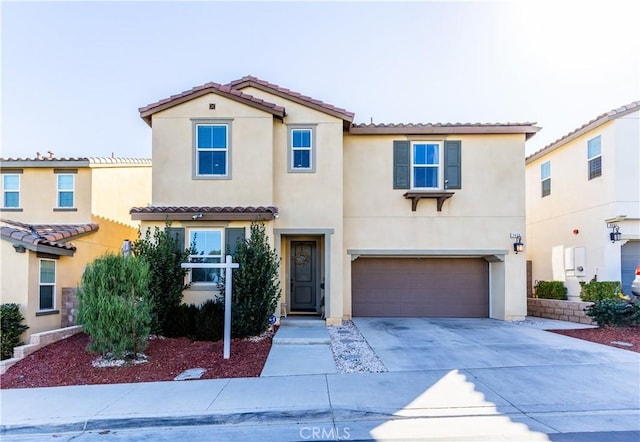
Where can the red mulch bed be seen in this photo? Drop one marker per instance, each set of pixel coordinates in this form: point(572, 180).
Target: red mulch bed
point(607, 336)
point(66, 362)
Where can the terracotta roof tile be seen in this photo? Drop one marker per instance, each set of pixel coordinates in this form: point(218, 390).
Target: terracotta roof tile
point(51, 235)
point(204, 212)
point(147, 111)
point(83, 161)
point(586, 127)
point(527, 128)
point(251, 81)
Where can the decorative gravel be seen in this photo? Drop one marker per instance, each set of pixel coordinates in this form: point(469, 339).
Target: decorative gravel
point(351, 352)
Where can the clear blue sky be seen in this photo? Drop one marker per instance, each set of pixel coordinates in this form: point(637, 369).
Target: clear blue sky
point(74, 74)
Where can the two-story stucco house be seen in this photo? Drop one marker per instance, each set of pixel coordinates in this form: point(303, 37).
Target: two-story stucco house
point(369, 220)
point(583, 203)
point(58, 214)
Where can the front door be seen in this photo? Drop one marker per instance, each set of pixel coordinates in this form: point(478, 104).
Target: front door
point(303, 276)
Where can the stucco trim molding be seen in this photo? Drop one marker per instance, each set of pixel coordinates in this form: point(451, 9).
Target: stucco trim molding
point(490, 255)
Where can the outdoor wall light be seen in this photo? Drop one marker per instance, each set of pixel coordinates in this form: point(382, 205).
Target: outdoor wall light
point(615, 234)
point(518, 246)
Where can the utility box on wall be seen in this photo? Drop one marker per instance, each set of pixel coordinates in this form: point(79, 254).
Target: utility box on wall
point(574, 261)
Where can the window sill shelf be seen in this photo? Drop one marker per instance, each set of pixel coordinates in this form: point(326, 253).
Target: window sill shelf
point(47, 312)
point(417, 195)
point(65, 209)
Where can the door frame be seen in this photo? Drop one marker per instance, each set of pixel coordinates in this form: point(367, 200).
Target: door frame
point(283, 238)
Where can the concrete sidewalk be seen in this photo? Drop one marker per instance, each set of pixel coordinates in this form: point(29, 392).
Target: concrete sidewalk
point(529, 401)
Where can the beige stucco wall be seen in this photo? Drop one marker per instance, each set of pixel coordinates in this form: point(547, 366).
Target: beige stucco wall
point(38, 198)
point(116, 188)
point(480, 216)
point(251, 135)
point(577, 203)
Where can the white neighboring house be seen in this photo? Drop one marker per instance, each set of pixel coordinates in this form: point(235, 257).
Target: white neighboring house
point(581, 189)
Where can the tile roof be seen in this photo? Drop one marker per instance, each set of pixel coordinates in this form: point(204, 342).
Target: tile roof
point(210, 88)
point(251, 81)
point(41, 161)
point(528, 128)
point(586, 127)
point(203, 213)
point(53, 237)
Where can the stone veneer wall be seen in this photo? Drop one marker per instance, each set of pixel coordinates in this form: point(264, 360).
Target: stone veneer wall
point(69, 306)
point(562, 310)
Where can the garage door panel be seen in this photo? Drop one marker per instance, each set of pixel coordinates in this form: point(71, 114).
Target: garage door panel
point(437, 287)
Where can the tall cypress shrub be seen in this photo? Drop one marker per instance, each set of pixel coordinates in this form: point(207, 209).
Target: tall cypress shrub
point(256, 288)
point(113, 305)
point(11, 327)
point(164, 254)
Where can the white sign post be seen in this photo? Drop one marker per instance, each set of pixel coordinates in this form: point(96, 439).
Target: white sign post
point(227, 265)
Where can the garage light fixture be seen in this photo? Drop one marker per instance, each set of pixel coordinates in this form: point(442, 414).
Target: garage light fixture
point(615, 234)
point(518, 246)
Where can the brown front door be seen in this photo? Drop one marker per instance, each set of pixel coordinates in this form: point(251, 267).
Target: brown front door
point(304, 281)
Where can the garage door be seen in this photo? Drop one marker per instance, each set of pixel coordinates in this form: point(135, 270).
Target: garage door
point(428, 287)
point(630, 259)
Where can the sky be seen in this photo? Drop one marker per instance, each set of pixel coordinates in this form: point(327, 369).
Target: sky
point(73, 74)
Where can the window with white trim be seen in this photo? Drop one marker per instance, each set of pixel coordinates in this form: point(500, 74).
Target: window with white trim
point(301, 149)
point(212, 150)
point(594, 157)
point(66, 190)
point(426, 165)
point(47, 294)
point(10, 190)
point(207, 245)
point(545, 178)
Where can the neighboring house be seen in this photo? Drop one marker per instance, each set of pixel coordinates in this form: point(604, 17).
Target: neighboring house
point(581, 189)
point(369, 220)
point(57, 215)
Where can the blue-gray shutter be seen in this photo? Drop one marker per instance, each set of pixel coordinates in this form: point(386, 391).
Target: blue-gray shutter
point(177, 233)
point(453, 164)
point(401, 165)
point(232, 235)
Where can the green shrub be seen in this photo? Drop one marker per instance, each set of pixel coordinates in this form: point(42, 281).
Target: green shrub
point(210, 321)
point(183, 321)
point(551, 290)
point(11, 327)
point(165, 254)
point(113, 305)
point(255, 284)
point(598, 290)
point(615, 312)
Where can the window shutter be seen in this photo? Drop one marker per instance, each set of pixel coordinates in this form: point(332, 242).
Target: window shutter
point(231, 237)
point(453, 164)
point(177, 233)
point(401, 165)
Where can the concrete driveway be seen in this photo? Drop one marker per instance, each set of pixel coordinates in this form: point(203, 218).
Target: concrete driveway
point(411, 344)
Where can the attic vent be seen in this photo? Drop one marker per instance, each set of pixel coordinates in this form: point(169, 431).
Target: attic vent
point(212, 106)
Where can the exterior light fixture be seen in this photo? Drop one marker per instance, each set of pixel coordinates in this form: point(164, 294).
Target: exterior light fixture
point(615, 234)
point(518, 246)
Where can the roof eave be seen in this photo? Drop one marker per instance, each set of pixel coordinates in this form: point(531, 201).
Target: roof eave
point(147, 112)
point(527, 130)
point(42, 248)
point(347, 117)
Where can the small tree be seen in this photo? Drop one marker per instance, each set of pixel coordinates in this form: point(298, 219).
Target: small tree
point(255, 284)
point(11, 327)
point(164, 253)
point(113, 305)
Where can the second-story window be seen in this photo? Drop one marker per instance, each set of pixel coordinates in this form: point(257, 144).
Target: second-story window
point(66, 185)
point(212, 150)
point(10, 190)
point(545, 178)
point(594, 157)
point(301, 149)
point(425, 164)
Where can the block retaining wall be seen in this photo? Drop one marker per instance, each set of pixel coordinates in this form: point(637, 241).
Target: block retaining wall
point(36, 342)
point(572, 311)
